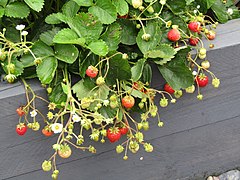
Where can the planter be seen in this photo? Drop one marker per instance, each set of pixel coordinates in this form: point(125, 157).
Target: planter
point(199, 137)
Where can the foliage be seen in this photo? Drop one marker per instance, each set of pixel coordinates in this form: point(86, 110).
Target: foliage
point(95, 59)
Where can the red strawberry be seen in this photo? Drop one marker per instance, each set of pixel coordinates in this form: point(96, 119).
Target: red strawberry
point(174, 35)
point(193, 41)
point(194, 26)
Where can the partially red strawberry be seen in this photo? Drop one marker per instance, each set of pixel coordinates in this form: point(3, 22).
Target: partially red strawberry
point(211, 35)
point(193, 41)
point(194, 26)
point(174, 35)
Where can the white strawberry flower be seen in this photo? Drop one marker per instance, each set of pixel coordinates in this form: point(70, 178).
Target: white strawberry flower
point(230, 11)
point(76, 118)
point(20, 27)
point(198, 6)
point(194, 73)
point(24, 33)
point(33, 113)
point(57, 128)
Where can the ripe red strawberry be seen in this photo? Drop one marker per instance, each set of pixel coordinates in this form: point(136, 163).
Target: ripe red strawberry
point(113, 134)
point(91, 71)
point(123, 130)
point(194, 26)
point(193, 41)
point(168, 88)
point(202, 80)
point(174, 35)
point(128, 101)
point(21, 129)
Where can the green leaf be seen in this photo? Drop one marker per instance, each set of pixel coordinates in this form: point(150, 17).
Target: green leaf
point(188, 2)
point(86, 26)
point(105, 11)
point(162, 51)
point(137, 69)
point(3, 3)
point(27, 60)
point(108, 112)
point(17, 10)
point(42, 50)
point(56, 18)
point(47, 36)
point(84, 2)
point(112, 36)
point(70, 9)
point(36, 5)
point(147, 74)
point(99, 47)
point(57, 96)
point(176, 73)
point(66, 52)
point(134, 92)
point(81, 90)
point(154, 30)
point(68, 36)
point(118, 69)
point(1, 11)
point(220, 11)
point(121, 7)
point(177, 7)
point(129, 32)
point(210, 3)
point(64, 88)
point(46, 70)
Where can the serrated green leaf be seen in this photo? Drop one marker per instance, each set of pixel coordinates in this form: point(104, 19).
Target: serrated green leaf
point(66, 52)
point(81, 90)
point(210, 3)
point(112, 36)
point(46, 70)
point(162, 51)
point(154, 30)
point(137, 69)
point(56, 18)
point(121, 7)
point(177, 7)
point(57, 96)
point(27, 60)
point(176, 73)
point(17, 10)
point(108, 112)
point(3, 3)
point(99, 47)
point(41, 50)
point(134, 92)
point(188, 2)
point(68, 36)
point(84, 2)
point(119, 69)
point(36, 5)
point(70, 9)
point(1, 11)
point(105, 11)
point(129, 32)
point(86, 26)
point(47, 36)
point(220, 11)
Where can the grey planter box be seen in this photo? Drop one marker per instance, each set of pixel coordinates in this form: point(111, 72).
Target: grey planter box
point(199, 137)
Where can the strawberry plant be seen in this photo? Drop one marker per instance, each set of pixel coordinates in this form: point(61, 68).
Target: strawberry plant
point(95, 59)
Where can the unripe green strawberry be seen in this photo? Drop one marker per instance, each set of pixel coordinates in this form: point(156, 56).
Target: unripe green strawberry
point(141, 8)
point(119, 149)
point(140, 126)
point(2, 55)
point(124, 56)
point(178, 93)
point(202, 51)
point(150, 9)
point(163, 102)
point(216, 82)
point(11, 67)
point(139, 137)
point(137, 3)
point(92, 149)
point(10, 78)
point(133, 146)
point(38, 61)
point(200, 97)
point(141, 105)
point(146, 37)
point(202, 56)
point(138, 26)
point(80, 141)
point(205, 64)
point(49, 90)
point(46, 165)
point(160, 124)
point(148, 147)
point(173, 101)
point(54, 176)
point(114, 104)
point(113, 97)
point(125, 157)
point(35, 126)
point(29, 125)
point(100, 81)
point(145, 125)
point(56, 171)
point(190, 89)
